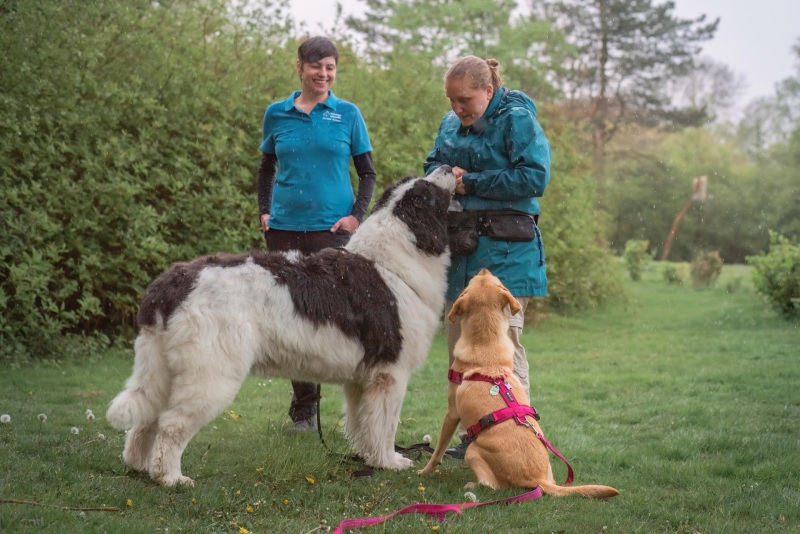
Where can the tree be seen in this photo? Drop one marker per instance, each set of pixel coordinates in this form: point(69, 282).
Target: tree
point(625, 52)
point(441, 30)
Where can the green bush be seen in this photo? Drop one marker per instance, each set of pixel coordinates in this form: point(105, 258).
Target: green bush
point(635, 257)
point(671, 274)
point(129, 141)
point(776, 275)
point(706, 268)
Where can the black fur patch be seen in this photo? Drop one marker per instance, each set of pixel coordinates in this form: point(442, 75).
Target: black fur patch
point(166, 292)
point(424, 209)
point(383, 200)
point(331, 287)
point(336, 287)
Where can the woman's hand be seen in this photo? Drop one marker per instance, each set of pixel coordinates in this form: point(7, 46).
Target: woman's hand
point(265, 222)
point(348, 224)
point(459, 172)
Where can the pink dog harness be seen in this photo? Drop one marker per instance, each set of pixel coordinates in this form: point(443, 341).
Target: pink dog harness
point(513, 410)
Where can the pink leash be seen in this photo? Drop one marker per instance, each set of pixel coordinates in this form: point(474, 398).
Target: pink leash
point(437, 511)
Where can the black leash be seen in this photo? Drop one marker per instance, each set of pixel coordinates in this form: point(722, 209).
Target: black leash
point(367, 471)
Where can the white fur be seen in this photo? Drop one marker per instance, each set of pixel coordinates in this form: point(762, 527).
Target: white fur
point(238, 320)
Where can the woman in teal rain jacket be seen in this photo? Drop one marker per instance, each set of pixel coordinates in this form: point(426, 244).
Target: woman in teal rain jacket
point(501, 159)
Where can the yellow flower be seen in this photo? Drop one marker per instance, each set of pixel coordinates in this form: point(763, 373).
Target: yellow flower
point(285, 501)
point(249, 509)
point(243, 530)
point(435, 527)
point(421, 487)
point(311, 480)
point(129, 503)
point(194, 501)
point(259, 469)
point(233, 415)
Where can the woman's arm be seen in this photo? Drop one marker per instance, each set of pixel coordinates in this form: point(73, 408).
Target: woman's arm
point(529, 163)
point(266, 181)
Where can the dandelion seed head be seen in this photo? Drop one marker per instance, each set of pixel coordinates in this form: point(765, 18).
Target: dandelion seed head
point(101, 437)
point(426, 438)
point(88, 412)
point(42, 417)
point(75, 430)
point(471, 497)
point(5, 418)
point(90, 416)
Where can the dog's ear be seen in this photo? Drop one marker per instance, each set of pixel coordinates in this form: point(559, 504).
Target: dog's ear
point(458, 307)
point(513, 303)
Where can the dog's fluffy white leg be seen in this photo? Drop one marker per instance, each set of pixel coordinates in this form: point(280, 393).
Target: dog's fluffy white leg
point(377, 415)
point(137, 407)
point(353, 392)
point(138, 443)
point(146, 391)
point(203, 388)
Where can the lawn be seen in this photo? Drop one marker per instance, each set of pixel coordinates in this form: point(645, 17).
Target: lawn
point(686, 400)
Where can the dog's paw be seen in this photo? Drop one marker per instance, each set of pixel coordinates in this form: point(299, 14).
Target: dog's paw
point(400, 462)
point(172, 481)
point(427, 470)
point(470, 485)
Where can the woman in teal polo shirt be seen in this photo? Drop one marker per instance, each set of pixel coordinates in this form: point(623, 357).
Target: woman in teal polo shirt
point(501, 159)
point(304, 192)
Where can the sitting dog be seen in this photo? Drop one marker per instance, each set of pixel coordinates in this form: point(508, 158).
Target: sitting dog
point(363, 316)
point(506, 452)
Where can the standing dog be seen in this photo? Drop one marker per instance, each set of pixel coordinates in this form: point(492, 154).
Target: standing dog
point(505, 453)
point(363, 316)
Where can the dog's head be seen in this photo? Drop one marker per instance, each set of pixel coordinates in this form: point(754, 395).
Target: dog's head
point(485, 292)
point(421, 203)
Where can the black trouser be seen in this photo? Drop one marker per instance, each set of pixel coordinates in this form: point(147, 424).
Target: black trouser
point(304, 394)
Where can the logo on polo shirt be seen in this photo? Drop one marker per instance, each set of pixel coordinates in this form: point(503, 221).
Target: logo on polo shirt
point(331, 116)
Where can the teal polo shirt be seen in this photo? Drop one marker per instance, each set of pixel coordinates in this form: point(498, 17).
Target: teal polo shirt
point(312, 186)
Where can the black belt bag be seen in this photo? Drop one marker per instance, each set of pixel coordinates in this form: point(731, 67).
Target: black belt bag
point(465, 227)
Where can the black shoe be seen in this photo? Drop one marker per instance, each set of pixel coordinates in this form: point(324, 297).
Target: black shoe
point(459, 450)
point(306, 425)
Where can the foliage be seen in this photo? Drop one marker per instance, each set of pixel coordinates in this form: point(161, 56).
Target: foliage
point(710, 356)
point(129, 142)
point(440, 30)
point(705, 268)
point(776, 275)
point(635, 257)
point(671, 274)
point(645, 189)
point(579, 268)
point(625, 53)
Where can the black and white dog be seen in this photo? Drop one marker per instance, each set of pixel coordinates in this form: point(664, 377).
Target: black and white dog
point(363, 316)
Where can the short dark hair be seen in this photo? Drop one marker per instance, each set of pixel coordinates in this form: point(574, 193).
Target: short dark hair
point(315, 48)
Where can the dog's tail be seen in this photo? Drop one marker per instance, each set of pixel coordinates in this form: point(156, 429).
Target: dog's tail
point(592, 491)
point(147, 389)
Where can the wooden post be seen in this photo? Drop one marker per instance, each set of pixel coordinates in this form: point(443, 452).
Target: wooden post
point(699, 194)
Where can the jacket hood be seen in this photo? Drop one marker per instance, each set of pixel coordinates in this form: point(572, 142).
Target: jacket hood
point(503, 100)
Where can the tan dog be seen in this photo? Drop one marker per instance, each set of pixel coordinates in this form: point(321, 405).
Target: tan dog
point(505, 454)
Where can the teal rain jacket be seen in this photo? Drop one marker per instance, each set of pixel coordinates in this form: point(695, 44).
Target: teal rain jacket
point(507, 159)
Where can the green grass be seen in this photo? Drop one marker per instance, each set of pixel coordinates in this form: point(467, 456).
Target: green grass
point(686, 400)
